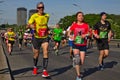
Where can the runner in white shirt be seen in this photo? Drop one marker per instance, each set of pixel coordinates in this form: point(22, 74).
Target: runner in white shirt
point(70, 42)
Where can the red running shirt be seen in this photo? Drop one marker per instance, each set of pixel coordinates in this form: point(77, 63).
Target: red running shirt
point(82, 29)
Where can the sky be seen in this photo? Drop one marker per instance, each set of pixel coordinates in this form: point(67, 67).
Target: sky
point(57, 8)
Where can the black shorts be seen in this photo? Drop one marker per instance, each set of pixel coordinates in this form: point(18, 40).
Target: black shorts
point(20, 41)
point(11, 42)
point(81, 48)
point(63, 38)
point(38, 41)
point(102, 44)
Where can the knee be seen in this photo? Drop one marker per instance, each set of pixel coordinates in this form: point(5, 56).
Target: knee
point(9, 45)
point(76, 59)
point(45, 54)
point(106, 55)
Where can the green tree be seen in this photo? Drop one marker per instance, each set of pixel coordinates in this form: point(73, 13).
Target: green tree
point(91, 19)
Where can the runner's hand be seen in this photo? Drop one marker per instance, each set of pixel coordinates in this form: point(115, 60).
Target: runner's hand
point(83, 36)
point(97, 36)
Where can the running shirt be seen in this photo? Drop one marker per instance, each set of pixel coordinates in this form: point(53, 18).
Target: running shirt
point(102, 29)
point(40, 22)
point(71, 38)
point(79, 30)
point(32, 33)
point(57, 34)
point(5, 35)
point(11, 36)
point(2, 34)
point(64, 34)
point(20, 34)
point(28, 36)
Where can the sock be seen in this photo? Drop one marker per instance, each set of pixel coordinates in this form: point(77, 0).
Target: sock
point(35, 62)
point(45, 63)
point(102, 62)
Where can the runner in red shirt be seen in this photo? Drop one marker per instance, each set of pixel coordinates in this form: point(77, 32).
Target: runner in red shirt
point(80, 30)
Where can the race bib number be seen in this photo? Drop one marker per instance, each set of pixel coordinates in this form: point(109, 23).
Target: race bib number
point(42, 32)
point(79, 40)
point(57, 36)
point(103, 34)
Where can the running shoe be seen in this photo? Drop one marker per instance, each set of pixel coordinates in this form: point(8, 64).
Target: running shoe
point(101, 67)
point(78, 78)
point(45, 74)
point(34, 72)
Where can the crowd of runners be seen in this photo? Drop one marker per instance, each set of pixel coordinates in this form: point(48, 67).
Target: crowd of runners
point(79, 36)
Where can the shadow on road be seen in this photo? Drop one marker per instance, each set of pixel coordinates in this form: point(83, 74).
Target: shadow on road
point(59, 71)
point(110, 64)
point(16, 72)
point(4, 71)
point(90, 71)
point(23, 70)
point(89, 52)
point(64, 53)
point(20, 53)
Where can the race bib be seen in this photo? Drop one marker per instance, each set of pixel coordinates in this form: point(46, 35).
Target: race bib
point(103, 34)
point(57, 36)
point(42, 32)
point(79, 40)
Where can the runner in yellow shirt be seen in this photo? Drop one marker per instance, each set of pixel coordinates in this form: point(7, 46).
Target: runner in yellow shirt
point(38, 21)
point(11, 39)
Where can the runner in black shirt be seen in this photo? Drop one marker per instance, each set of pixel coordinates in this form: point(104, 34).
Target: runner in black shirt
point(102, 33)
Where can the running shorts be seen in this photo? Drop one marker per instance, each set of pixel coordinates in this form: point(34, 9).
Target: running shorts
point(38, 41)
point(102, 44)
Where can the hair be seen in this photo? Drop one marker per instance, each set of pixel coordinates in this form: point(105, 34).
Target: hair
point(10, 29)
point(80, 12)
point(102, 13)
point(39, 3)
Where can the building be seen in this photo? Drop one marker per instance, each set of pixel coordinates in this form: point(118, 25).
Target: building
point(31, 12)
point(21, 16)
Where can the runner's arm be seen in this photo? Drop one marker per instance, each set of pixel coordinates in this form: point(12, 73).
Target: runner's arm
point(95, 31)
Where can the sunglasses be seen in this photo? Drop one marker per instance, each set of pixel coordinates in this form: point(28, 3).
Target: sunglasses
point(40, 7)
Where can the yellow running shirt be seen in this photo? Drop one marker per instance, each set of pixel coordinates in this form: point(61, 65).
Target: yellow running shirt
point(11, 36)
point(40, 22)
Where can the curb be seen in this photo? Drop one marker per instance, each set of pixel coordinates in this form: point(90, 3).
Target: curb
point(5, 72)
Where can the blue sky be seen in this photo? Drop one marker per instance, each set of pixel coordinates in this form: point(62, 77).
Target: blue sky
point(57, 8)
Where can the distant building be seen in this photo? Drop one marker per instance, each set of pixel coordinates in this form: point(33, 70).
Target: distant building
point(31, 12)
point(21, 16)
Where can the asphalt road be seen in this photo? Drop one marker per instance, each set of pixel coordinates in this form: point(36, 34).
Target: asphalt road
point(60, 67)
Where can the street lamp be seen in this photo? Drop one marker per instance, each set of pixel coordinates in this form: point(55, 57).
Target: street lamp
point(76, 5)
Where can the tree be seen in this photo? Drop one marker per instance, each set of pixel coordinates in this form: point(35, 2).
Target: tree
point(91, 19)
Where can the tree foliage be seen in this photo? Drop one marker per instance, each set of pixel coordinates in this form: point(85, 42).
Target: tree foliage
point(92, 19)
point(14, 26)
